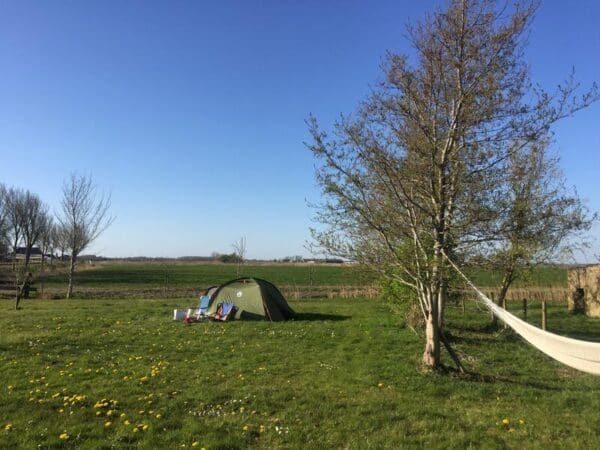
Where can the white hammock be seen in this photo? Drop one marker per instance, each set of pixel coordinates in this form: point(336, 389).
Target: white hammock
point(581, 355)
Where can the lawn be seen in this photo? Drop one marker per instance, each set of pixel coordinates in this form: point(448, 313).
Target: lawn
point(116, 373)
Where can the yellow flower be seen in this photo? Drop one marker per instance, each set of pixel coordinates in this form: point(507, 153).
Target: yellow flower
point(505, 421)
point(521, 422)
point(195, 444)
point(158, 416)
point(380, 385)
point(135, 430)
point(63, 437)
point(145, 427)
point(109, 412)
point(8, 427)
point(245, 428)
point(107, 424)
point(123, 415)
point(127, 422)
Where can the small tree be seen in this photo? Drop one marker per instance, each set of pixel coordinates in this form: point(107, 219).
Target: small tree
point(84, 216)
point(539, 216)
point(239, 249)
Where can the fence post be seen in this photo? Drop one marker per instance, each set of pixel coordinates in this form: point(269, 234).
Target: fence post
point(525, 309)
point(544, 314)
point(493, 301)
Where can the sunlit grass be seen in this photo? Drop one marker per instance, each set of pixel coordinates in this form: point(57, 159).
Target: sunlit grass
point(346, 374)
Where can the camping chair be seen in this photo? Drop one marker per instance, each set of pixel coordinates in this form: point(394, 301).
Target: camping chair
point(225, 312)
point(200, 312)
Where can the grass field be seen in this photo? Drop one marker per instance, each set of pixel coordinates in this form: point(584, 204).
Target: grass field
point(189, 274)
point(117, 373)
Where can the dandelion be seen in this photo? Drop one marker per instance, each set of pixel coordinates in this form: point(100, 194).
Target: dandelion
point(145, 427)
point(506, 421)
point(262, 429)
point(107, 424)
point(127, 422)
point(64, 436)
point(380, 385)
point(158, 416)
point(195, 444)
point(521, 422)
point(245, 428)
point(123, 415)
point(8, 426)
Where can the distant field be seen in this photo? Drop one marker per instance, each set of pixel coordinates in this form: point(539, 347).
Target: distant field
point(121, 374)
point(202, 275)
point(541, 277)
point(152, 274)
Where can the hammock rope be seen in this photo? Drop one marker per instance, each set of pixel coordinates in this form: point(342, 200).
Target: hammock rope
point(575, 353)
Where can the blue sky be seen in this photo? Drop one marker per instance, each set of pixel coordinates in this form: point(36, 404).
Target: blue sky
point(192, 113)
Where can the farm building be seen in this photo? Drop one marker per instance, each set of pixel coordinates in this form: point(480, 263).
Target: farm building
point(36, 253)
point(584, 288)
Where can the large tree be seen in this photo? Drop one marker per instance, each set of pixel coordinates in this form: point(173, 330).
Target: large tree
point(418, 171)
point(84, 216)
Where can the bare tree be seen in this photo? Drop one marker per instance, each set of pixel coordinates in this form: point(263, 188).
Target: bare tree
point(14, 204)
point(84, 216)
point(35, 221)
point(60, 240)
point(416, 173)
point(4, 222)
point(46, 242)
point(239, 248)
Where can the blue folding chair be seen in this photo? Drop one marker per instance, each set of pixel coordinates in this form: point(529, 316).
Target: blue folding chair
point(200, 311)
point(225, 311)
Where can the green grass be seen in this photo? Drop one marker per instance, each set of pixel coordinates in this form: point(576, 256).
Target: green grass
point(310, 383)
point(147, 275)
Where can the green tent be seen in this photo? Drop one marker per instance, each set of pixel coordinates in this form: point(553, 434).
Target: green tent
point(254, 299)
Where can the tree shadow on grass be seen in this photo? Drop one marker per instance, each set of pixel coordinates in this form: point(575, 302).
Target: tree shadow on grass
point(310, 317)
point(478, 377)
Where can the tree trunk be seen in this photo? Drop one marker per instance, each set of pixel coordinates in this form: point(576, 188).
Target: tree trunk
point(42, 276)
point(72, 262)
point(27, 256)
point(431, 356)
point(17, 295)
point(506, 282)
